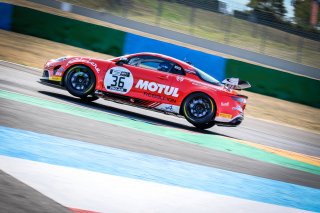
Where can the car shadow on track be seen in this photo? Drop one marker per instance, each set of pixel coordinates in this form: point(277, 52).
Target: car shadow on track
point(128, 114)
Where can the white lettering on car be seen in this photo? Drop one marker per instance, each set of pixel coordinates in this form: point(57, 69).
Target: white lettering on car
point(85, 61)
point(142, 84)
point(226, 104)
point(161, 87)
point(153, 87)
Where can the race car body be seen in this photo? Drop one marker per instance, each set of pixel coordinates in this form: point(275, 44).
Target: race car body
point(152, 81)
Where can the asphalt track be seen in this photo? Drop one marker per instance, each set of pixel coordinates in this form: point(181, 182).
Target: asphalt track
point(19, 198)
point(40, 119)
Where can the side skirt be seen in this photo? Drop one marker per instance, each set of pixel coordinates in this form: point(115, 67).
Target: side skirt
point(121, 99)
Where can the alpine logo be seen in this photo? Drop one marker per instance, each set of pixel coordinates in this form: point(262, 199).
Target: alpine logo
point(179, 78)
point(160, 88)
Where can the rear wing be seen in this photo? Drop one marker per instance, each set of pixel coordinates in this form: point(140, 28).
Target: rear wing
point(236, 83)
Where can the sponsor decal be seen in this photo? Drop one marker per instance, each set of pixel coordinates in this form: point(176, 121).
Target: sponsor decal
point(172, 100)
point(180, 78)
point(226, 104)
point(151, 95)
point(237, 108)
point(168, 108)
point(177, 67)
point(74, 60)
point(162, 98)
point(118, 80)
point(196, 83)
point(159, 88)
point(85, 61)
point(59, 71)
point(190, 71)
point(55, 78)
point(224, 115)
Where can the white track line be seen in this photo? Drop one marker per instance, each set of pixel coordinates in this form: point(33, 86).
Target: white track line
point(107, 193)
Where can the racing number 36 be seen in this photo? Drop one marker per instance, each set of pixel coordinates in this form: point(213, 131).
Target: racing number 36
point(118, 81)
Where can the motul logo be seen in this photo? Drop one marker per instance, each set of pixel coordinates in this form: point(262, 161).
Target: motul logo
point(160, 88)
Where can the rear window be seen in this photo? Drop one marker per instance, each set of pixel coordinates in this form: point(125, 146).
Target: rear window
point(207, 78)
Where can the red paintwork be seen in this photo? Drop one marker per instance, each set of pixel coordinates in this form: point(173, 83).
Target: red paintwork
point(190, 83)
point(81, 211)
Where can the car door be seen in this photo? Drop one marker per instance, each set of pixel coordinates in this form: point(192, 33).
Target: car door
point(177, 74)
point(152, 80)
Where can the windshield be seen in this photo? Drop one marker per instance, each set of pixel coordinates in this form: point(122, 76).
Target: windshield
point(207, 78)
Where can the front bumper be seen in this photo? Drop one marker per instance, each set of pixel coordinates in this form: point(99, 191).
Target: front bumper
point(50, 81)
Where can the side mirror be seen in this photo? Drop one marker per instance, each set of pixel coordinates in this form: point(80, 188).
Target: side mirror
point(122, 60)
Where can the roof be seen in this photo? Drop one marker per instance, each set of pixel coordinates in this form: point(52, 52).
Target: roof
point(164, 56)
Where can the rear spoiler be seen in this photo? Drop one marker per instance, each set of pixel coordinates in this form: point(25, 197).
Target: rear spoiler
point(236, 83)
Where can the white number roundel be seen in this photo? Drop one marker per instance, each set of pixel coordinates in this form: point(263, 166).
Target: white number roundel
point(118, 80)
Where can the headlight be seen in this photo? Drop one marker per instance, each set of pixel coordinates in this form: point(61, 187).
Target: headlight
point(60, 59)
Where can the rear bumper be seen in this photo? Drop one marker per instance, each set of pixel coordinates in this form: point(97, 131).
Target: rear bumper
point(233, 123)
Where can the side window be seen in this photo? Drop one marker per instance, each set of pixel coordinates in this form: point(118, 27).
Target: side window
point(134, 61)
point(177, 69)
point(151, 62)
point(165, 66)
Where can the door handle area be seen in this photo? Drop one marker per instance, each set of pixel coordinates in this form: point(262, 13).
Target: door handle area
point(163, 77)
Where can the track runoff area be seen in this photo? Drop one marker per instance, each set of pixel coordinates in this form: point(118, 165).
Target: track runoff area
point(106, 157)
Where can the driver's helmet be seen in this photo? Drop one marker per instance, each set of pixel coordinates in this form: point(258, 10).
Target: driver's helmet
point(164, 66)
point(135, 61)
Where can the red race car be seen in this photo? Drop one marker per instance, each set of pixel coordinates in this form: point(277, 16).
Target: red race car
point(152, 81)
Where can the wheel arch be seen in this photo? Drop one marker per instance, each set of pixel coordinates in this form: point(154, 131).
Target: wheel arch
point(74, 65)
point(193, 92)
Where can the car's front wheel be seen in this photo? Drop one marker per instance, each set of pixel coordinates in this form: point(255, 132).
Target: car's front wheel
point(80, 81)
point(199, 109)
point(89, 98)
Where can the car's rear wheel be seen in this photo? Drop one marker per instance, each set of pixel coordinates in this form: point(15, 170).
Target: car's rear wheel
point(80, 81)
point(199, 109)
point(205, 125)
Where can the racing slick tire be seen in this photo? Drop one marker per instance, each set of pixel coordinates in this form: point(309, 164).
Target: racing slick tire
point(89, 98)
point(204, 126)
point(80, 81)
point(199, 109)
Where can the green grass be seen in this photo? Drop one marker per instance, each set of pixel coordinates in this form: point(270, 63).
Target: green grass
point(214, 26)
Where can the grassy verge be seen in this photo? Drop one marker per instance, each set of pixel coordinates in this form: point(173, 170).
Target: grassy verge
point(216, 27)
point(32, 51)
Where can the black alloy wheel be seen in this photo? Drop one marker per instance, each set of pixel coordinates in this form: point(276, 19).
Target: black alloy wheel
point(80, 81)
point(199, 109)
